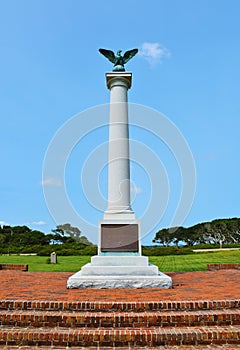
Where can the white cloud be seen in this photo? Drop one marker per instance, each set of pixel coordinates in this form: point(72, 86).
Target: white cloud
point(4, 223)
point(51, 181)
point(38, 223)
point(135, 190)
point(154, 52)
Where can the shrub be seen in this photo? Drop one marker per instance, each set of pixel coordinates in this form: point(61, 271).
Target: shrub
point(158, 251)
point(89, 250)
point(68, 249)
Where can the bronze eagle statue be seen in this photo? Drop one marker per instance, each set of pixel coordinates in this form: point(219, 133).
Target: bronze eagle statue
point(118, 60)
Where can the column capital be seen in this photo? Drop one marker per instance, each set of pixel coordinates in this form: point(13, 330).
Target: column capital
point(119, 78)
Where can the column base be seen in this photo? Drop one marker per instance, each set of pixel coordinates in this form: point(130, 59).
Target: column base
point(118, 215)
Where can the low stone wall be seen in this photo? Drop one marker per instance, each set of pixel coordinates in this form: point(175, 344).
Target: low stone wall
point(215, 267)
point(19, 267)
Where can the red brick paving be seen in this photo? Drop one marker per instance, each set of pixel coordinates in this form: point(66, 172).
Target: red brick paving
point(206, 285)
point(218, 290)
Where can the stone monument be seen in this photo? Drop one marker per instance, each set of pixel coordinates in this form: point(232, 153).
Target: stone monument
point(119, 263)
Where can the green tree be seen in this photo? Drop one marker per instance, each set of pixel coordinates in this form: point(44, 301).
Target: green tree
point(219, 231)
point(67, 233)
point(163, 237)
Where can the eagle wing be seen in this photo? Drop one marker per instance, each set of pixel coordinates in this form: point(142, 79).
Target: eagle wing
point(109, 54)
point(129, 54)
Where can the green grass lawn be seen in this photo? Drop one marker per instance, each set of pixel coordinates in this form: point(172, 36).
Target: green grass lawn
point(39, 263)
point(192, 262)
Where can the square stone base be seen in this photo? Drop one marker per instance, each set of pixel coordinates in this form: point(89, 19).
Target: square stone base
point(82, 282)
point(119, 272)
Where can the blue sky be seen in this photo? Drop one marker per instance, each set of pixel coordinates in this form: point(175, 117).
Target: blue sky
point(187, 69)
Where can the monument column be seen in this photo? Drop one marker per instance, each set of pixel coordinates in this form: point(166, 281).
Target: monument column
point(118, 159)
point(119, 263)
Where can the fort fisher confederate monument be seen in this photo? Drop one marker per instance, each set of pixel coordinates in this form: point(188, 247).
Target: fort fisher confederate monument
point(119, 263)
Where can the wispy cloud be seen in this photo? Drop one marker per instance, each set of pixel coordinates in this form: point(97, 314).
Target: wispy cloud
point(135, 190)
point(4, 223)
point(154, 52)
point(51, 181)
point(38, 223)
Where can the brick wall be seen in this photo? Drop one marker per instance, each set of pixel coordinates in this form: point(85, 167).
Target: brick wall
point(214, 267)
point(19, 267)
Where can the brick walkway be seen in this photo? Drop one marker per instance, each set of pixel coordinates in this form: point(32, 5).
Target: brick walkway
point(207, 285)
point(37, 311)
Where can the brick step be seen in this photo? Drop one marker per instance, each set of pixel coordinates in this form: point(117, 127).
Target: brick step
point(119, 306)
point(177, 347)
point(121, 337)
point(29, 318)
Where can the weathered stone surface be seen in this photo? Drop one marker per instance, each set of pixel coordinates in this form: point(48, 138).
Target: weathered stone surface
point(81, 282)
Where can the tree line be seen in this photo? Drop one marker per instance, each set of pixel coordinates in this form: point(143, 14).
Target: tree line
point(219, 231)
point(64, 239)
point(67, 240)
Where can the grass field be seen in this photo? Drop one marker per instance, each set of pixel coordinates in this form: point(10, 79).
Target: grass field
point(193, 262)
point(39, 263)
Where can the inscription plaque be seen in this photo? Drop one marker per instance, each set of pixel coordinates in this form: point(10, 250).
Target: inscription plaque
point(119, 238)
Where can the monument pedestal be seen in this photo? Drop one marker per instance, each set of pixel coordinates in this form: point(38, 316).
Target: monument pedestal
point(119, 271)
point(119, 263)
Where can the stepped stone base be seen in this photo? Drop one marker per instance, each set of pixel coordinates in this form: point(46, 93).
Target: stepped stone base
point(119, 272)
point(81, 282)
